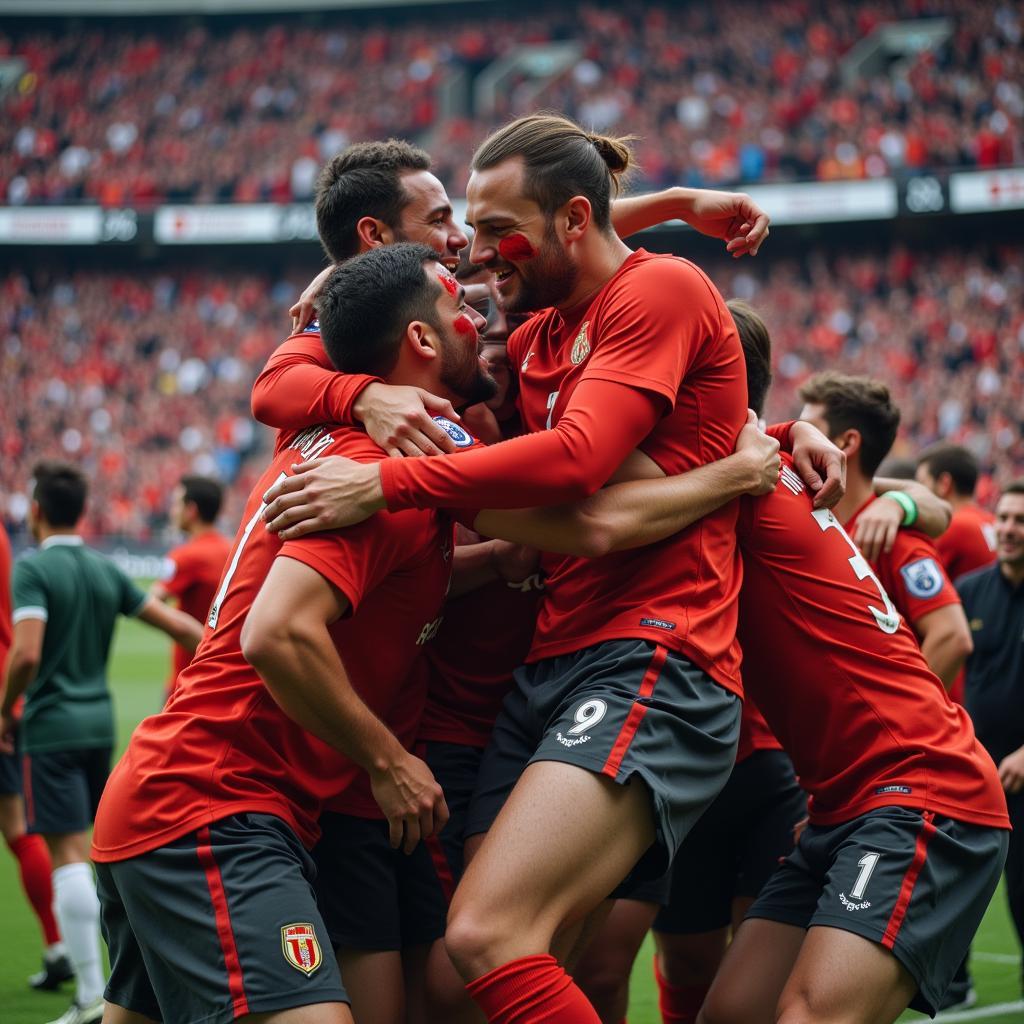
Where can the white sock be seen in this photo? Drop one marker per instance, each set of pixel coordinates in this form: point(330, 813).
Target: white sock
point(77, 908)
point(56, 950)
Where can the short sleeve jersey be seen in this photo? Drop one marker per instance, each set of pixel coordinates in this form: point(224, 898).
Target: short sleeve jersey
point(969, 543)
point(78, 594)
point(911, 573)
point(192, 572)
point(839, 676)
point(222, 745)
point(658, 325)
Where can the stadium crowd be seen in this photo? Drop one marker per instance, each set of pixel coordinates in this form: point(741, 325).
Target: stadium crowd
point(142, 358)
point(139, 115)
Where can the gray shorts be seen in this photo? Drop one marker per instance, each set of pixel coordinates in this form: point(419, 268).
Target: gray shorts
point(623, 709)
point(217, 924)
point(916, 883)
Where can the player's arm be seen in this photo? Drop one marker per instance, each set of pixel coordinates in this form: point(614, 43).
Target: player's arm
point(640, 512)
point(488, 561)
point(178, 625)
point(299, 388)
point(945, 640)
point(878, 525)
point(1011, 771)
point(22, 665)
point(286, 639)
point(731, 216)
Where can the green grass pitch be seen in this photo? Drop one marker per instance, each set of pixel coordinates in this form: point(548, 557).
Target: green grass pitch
point(139, 669)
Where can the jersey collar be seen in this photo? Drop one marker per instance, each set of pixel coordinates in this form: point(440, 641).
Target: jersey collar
point(59, 539)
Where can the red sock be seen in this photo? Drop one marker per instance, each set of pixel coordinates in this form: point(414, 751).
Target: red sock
point(531, 990)
point(37, 879)
point(679, 1004)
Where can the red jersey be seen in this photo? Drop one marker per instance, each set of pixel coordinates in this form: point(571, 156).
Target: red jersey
point(969, 543)
point(840, 678)
point(754, 732)
point(911, 573)
point(222, 745)
point(485, 635)
point(651, 361)
point(191, 575)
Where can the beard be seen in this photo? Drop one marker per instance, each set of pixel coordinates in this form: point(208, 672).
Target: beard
point(547, 280)
point(462, 374)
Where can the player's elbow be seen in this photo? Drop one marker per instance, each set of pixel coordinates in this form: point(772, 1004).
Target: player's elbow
point(594, 538)
point(961, 645)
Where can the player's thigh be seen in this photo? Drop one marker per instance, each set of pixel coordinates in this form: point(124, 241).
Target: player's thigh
point(67, 848)
point(316, 1013)
point(842, 978)
point(753, 973)
point(12, 816)
point(375, 984)
point(114, 1014)
point(691, 959)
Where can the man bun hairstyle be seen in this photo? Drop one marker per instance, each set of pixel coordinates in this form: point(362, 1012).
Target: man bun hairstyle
point(364, 180)
point(60, 491)
point(959, 462)
point(367, 303)
point(561, 160)
point(206, 494)
point(856, 403)
point(757, 352)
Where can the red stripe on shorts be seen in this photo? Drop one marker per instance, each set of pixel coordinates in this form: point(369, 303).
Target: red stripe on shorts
point(444, 872)
point(204, 850)
point(26, 789)
point(636, 714)
point(899, 912)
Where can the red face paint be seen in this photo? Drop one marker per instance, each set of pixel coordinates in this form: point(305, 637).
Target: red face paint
point(464, 325)
point(448, 283)
point(515, 248)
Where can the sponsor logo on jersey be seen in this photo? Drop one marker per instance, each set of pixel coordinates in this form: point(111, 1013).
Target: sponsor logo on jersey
point(851, 905)
point(923, 577)
point(301, 948)
point(977, 624)
point(883, 790)
point(526, 361)
point(462, 438)
point(581, 346)
point(313, 328)
point(658, 623)
point(429, 631)
point(791, 481)
point(531, 583)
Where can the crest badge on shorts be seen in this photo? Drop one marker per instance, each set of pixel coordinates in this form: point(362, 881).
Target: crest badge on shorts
point(300, 946)
point(581, 346)
point(923, 578)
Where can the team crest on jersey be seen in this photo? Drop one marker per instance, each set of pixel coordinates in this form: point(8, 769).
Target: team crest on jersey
point(526, 361)
point(461, 437)
point(313, 328)
point(581, 346)
point(923, 578)
point(301, 948)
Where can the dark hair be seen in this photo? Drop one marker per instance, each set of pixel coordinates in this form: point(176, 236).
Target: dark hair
point(898, 467)
point(954, 459)
point(857, 403)
point(561, 160)
point(60, 490)
point(364, 180)
point(1014, 487)
point(757, 352)
point(368, 301)
point(206, 494)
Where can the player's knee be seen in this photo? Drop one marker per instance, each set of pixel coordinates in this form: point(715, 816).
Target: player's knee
point(606, 987)
point(470, 939)
point(727, 1007)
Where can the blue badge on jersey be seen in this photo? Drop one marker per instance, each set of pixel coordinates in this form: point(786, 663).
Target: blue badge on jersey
point(461, 438)
point(313, 328)
point(923, 578)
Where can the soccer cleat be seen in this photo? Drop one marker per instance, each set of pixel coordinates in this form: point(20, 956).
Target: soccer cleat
point(55, 971)
point(76, 1013)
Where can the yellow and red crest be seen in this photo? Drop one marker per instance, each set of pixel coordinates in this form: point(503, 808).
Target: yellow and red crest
point(300, 946)
point(581, 346)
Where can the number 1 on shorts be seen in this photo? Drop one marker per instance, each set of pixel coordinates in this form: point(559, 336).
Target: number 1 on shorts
point(867, 866)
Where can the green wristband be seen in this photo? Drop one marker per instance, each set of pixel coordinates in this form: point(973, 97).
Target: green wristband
point(907, 503)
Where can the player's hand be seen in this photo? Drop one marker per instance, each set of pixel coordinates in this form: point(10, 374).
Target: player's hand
point(1011, 771)
point(821, 465)
point(303, 313)
point(324, 494)
point(732, 216)
point(411, 800)
point(401, 419)
point(877, 527)
point(761, 452)
point(514, 562)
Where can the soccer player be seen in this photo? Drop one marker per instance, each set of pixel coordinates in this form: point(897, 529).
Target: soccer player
point(857, 414)
point(611, 631)
point(202, 834)
point(951, 472)
point(993, 599)
point(67, 599)
point(29, 849)
point(193, 569)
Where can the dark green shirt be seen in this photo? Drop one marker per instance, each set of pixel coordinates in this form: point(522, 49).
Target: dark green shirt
point(78, 594)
